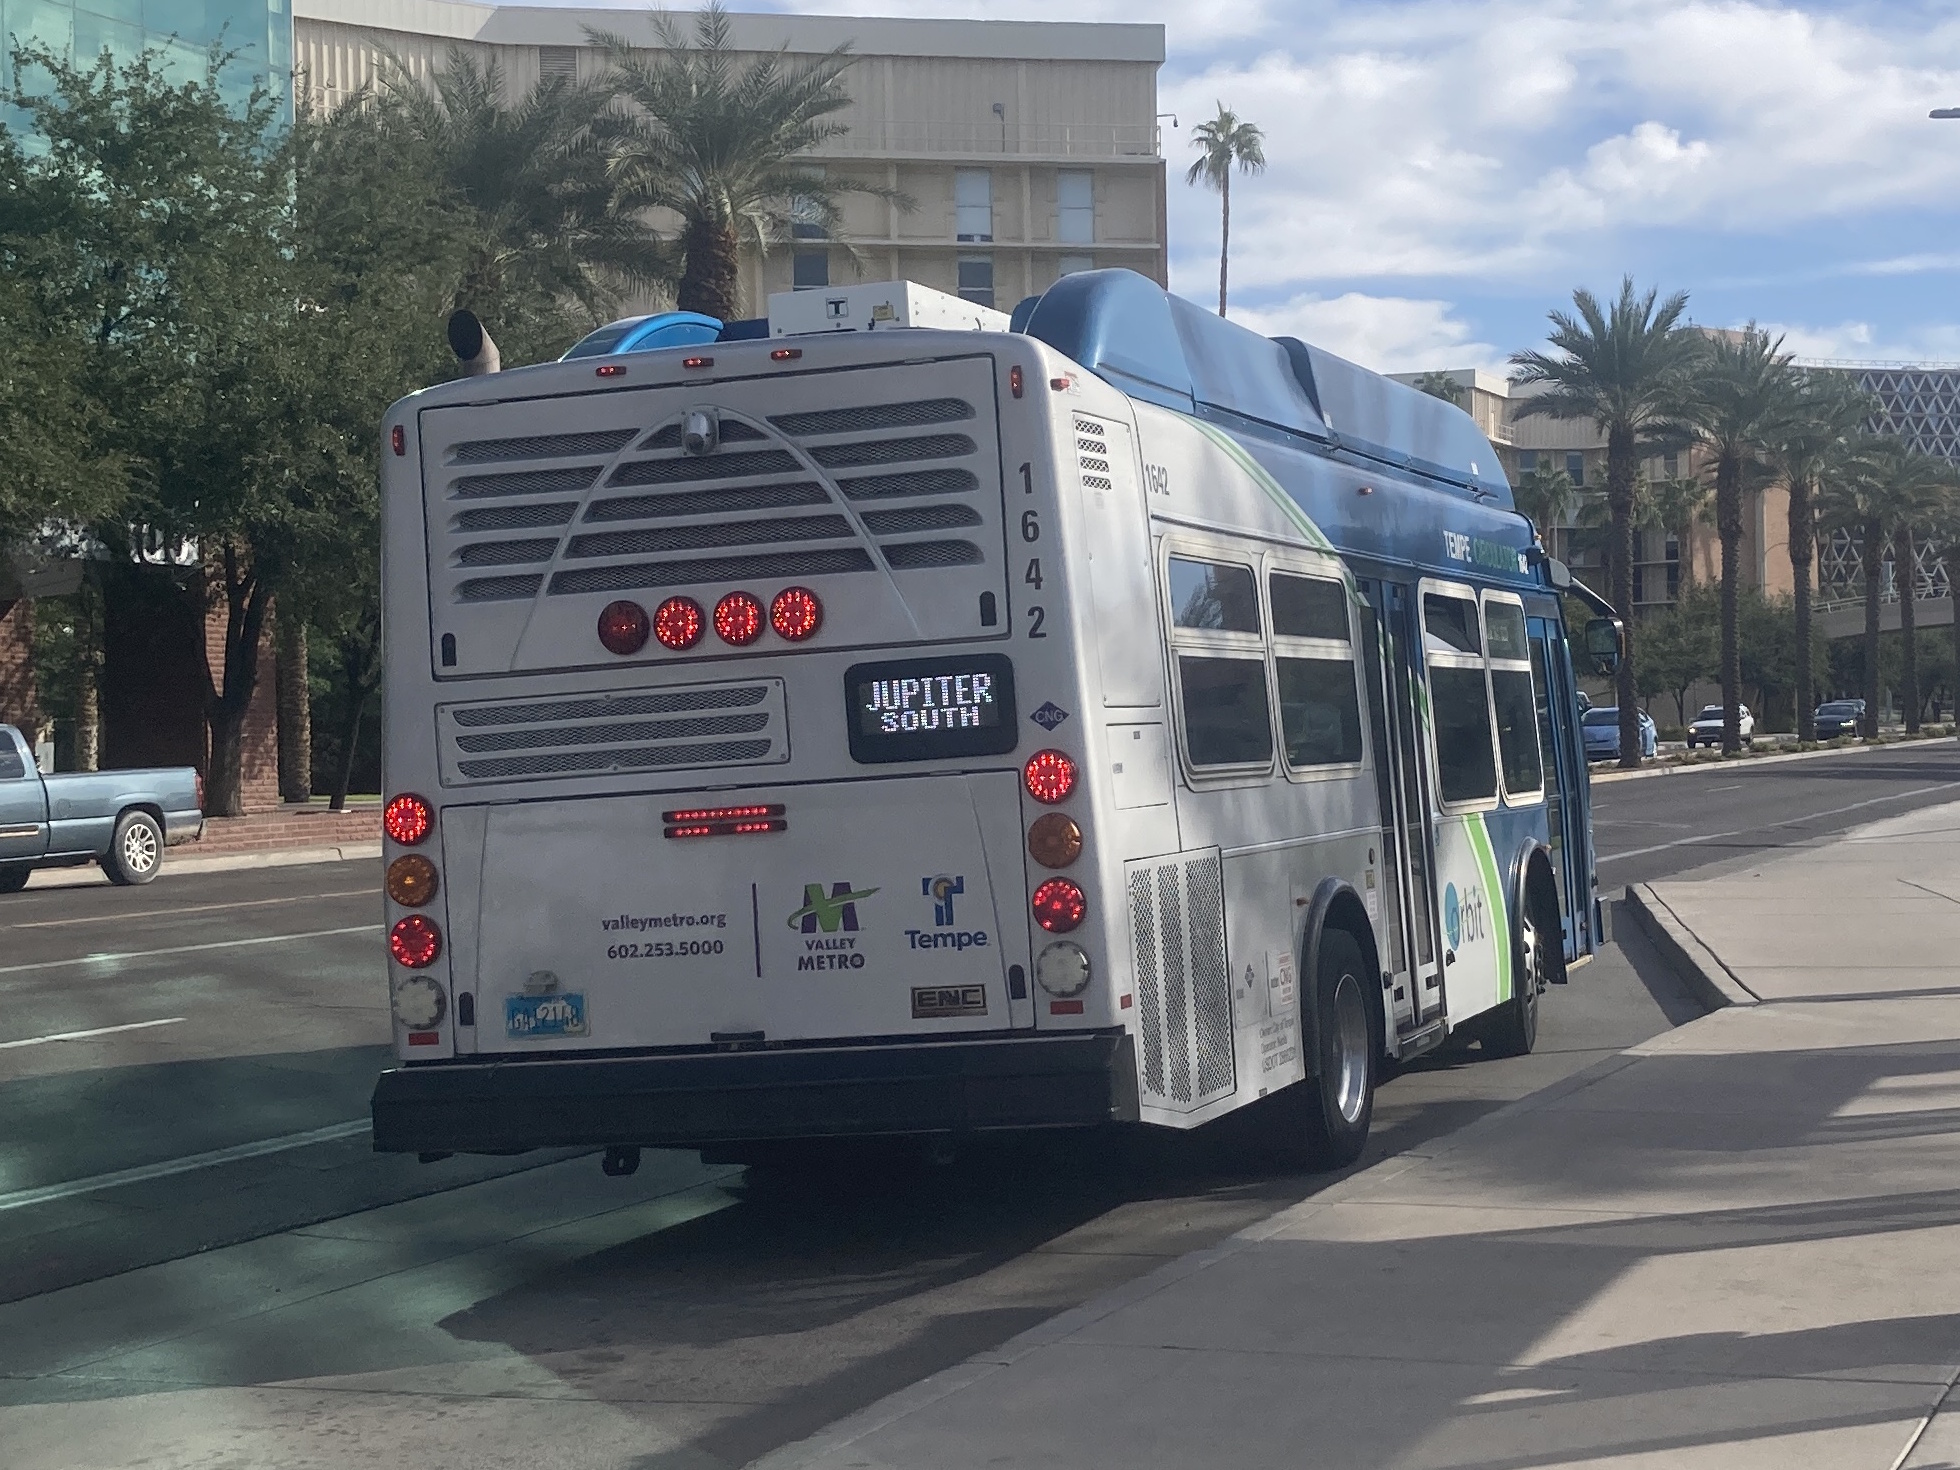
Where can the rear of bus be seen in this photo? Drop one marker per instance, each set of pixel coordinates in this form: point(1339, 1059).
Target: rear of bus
point(729, 689)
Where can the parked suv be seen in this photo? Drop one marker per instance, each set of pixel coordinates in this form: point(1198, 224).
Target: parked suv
point(120, 819)
point(1707, 728)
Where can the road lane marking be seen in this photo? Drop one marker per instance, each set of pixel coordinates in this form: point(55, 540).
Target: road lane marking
point(1772, 826)
point(259, 1148)
point(84, 1035)
point(201, 908)
point(144, 954)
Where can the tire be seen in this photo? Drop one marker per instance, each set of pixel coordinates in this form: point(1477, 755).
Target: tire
point(1322, 1121)
point(13, 879)
point(135, 853)
point(1513, 1028)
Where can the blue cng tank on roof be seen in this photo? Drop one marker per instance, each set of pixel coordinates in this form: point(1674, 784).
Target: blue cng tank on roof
point(645, 333)
point(1158, 347)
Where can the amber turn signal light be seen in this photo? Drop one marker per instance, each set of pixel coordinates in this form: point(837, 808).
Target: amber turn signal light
point(1055, 840)
point(412, 881)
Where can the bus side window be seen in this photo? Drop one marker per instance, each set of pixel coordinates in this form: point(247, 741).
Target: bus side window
point(1514, 701)
point(1313, 665)
point(1459, 697)
point(1221, 664)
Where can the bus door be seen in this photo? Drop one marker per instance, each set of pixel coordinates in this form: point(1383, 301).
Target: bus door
point(1565, 793)
point(1409, 928)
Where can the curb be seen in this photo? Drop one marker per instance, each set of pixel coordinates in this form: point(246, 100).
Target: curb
point(88, 875)
point(1604, 777)
point(1700, 968)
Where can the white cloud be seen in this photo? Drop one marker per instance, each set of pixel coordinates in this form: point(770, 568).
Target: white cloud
point(1858, 341)
point(1390, 334)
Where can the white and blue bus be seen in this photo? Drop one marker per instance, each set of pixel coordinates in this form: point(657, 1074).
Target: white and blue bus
point(1120, 718)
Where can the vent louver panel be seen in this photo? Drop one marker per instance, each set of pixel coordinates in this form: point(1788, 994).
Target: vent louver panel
point(684, 728)
point(1092, 454)
point(1183, 986)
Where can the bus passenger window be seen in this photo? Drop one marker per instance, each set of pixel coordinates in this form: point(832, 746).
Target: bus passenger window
point(1309, 607)
point(1514, 701)
point(1459, 698)
point(1214, 596)
point(1226, 721)
point(1319, 712)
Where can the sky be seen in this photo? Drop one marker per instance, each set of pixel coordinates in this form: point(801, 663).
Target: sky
point(1441, 173)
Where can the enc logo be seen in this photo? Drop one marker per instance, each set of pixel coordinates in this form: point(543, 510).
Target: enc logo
point(1049, 716)
point(829, 913)
point(942, 890)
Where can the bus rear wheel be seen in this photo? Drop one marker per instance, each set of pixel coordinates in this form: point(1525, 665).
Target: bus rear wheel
point(1322, 1121)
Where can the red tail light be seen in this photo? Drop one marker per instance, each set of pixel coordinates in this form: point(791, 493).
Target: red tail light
point(739, 619)
point(1050, 776)
point(678, 623)
point(415, 942)
point(408, 819)
point(1058, 905)
point(725, 821)
point(623, 627)
point(795, 613)
point(398, 440)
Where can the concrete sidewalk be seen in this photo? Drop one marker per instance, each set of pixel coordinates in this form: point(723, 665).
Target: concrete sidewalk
point(1737, 1245)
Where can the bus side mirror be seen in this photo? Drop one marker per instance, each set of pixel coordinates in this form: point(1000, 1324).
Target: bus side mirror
point(1605, 643)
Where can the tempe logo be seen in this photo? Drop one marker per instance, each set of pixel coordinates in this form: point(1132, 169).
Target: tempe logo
point(942, 889)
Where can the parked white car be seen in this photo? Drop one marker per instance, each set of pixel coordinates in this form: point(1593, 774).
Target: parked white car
point(1707, 728)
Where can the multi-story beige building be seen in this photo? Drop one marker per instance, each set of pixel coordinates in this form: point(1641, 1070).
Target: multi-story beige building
point(1028, 149)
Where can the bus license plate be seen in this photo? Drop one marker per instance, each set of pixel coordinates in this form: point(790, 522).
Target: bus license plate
point(558, 1014)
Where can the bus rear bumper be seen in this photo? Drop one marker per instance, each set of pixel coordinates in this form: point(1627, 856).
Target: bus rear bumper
point(1074, 1079)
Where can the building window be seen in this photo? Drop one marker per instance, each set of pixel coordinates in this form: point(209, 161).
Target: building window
point(1671, 464)
point(558, 64)
point(977, 279)
point(1075, 195)
point(1575, 468)
point(973, 205)
point(1070, 265)
point(1527, 461)
point(805, 219)
point(810, 269)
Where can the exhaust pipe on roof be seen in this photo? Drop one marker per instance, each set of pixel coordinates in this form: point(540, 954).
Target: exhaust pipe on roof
point(472, 345)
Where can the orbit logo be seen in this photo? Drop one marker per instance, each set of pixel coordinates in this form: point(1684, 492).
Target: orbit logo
point(1464, 918)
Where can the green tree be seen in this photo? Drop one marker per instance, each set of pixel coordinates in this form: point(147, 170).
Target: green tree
point(1679, 649)
point(1673, 506)
point(717, 139)
point(1625, 367)
point(1738, 398)
point(1876, 487)
point(1225, 142)
point(1919, 500)
point(1437, 384)
point(1809, 448)
point(1545, 494)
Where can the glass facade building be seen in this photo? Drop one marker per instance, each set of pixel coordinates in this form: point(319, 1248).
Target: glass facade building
point(258, 34)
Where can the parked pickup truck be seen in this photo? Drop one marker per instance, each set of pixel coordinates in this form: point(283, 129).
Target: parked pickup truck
point(121, 819)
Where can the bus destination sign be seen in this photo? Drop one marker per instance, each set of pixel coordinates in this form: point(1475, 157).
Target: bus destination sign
point(923, 709)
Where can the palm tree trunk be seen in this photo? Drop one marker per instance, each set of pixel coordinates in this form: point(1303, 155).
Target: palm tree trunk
point(710, 284)
point(1224, 236)
point(1803, 547)
point(293, 707)
point(1905, 572)
point(88, 676)
point(1619, 503)
point(1728, 522)
point(1874, 550)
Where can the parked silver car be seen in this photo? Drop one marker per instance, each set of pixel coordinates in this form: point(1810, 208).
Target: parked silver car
point(120, 819)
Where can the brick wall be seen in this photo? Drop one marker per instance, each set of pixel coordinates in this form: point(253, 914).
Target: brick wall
point(19, 703)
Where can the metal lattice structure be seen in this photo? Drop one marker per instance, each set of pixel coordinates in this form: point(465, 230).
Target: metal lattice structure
point(1918, 403)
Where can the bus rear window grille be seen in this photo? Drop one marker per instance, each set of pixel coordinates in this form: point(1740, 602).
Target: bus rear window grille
point(815, 562)
point(1096, 482)
point(666, 701)
point(918, 482)
point(506, 553)
point(729, 431)
point(691, 469)
point(908, 556)
point(874, 416)
point(612, 732)
point(631, 758)
point(1097, 466)
point(1092, 446)
point(514, 517)
point(498, 589)
point(919, 518)
point(1089, 427)
point(707, 502)
point(540, 446)
point(717, 533)
point(525, 482)
point(893, 451)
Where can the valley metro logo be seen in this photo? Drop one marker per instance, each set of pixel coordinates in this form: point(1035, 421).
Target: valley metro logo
point(838, 910)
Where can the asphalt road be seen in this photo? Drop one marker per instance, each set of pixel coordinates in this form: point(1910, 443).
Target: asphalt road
point(203, 1264)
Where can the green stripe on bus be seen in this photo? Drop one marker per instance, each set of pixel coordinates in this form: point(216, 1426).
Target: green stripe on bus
point(1487, 865)
point(1266, 482)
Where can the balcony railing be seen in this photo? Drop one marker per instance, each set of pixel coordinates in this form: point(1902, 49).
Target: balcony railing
point(998, 139)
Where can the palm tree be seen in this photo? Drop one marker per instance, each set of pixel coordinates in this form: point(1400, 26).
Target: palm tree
point(548, 224)
point(1437, 384)
point(1919, 497)
point(1546, 494)
point(1943, 534)
point(1673, 505)
point(1225, 143)
point(1864, 499)
point(1808, 449)
point(1626, 367)
point(1738, 399)
point(716, 140)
